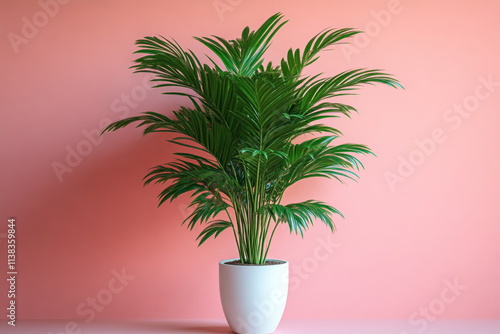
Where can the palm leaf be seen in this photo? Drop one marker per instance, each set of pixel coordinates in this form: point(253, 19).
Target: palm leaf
point(299, 216)
point(214, 228)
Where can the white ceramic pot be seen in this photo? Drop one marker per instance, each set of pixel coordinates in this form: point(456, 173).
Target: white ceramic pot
point(253, 297)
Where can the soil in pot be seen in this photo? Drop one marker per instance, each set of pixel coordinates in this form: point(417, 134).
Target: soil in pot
point(267, 263)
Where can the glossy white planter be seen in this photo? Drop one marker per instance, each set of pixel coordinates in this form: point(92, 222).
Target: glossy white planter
point(253, 297)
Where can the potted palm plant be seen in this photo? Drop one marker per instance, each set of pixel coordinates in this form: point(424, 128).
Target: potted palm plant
point(244, 142)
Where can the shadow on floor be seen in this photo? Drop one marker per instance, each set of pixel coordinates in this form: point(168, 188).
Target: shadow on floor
point(183, 328)
point(214, 329)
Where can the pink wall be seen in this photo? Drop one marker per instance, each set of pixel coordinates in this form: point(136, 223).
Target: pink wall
point(412, 228)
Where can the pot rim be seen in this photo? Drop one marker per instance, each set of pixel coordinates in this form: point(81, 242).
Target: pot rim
point(223, 262)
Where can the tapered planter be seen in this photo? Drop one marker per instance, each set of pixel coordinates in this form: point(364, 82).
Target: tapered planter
point(253, 296)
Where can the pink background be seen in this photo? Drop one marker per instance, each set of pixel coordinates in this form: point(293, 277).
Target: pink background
point(402, 240)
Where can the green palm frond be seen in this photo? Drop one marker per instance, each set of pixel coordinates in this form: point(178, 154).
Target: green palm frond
point(171, 65)
point(244, 55)
point(299, 216)
point(295, 62)
point(214, 228)
point(206, 207)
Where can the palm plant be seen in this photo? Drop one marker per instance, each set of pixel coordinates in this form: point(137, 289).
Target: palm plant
point(243, 128)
